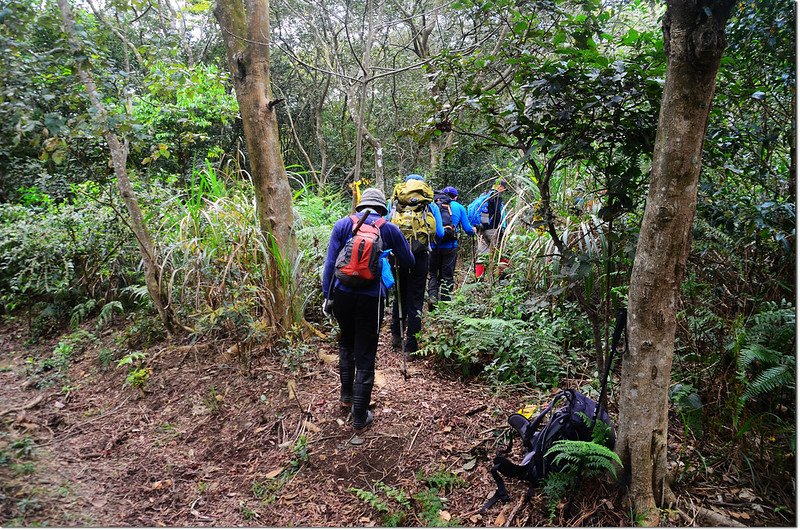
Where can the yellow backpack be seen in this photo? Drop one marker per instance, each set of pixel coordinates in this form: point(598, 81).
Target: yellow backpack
point(411, 213)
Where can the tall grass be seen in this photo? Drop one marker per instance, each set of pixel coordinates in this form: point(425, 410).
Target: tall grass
point(215, 260)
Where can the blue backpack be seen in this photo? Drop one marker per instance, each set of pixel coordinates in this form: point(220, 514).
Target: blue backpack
point(479, 208)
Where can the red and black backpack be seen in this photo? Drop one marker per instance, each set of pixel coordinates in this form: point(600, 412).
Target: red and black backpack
point(358, 263)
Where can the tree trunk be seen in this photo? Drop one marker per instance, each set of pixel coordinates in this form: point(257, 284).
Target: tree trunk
point(318, 131)
point(357, 105)
point(119, 157)
point(246, 33)
point(694, 39)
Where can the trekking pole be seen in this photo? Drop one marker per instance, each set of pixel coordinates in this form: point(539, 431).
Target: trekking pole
point(399, 295)
point(474, 251)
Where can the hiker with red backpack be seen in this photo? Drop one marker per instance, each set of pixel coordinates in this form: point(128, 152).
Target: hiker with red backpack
point(354, 294)
point(419, 219)
point(444, 253)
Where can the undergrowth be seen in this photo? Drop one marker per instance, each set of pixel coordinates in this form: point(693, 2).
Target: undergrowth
point(396, 507)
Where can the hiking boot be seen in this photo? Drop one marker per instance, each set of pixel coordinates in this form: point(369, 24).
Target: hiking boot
point(361, 427)
point(411, 347)
point(397, 341)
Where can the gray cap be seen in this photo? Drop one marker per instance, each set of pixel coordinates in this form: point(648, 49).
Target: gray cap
point(373, 198)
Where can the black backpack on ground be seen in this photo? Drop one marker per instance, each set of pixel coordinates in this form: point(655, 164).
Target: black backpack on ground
point(574, 420)
point(443, 201)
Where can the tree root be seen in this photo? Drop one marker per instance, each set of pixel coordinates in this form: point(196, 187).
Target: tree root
point(35, 401)
point(314, 330)
point(715, 518)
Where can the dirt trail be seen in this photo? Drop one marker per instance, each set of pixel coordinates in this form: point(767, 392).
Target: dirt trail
point(209, 444)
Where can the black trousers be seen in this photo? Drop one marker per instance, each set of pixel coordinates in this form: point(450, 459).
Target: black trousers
point(442, 268)
point(359, 318)
point(412, 295)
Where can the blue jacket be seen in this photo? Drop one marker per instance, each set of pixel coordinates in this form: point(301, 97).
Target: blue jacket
point(392, 239)
point(459, 214)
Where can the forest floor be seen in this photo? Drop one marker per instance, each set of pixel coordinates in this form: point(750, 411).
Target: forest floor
point(212, 443)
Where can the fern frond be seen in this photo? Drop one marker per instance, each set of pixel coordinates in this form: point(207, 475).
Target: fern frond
point(770, 380)
point(138, 292)
point(370, 498)
point(395, 494)
point(555, 487)
point(107, 313)
point(595, 458)
point(81, 312)
point(757, 352)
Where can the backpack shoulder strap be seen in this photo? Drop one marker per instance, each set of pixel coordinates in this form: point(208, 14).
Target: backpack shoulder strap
point(379, 222)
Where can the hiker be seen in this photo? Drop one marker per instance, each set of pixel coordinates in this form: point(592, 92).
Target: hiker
point(487, 214)
point(445, 252)
point(358, 304)
point(419, 219)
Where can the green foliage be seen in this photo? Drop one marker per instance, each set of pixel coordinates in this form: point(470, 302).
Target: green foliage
point(107, 313)
point(23, 447)
point(267, 491)
point(138, 374)
point(441, 479)
point(300, 452)
point(766, 357)
point(576, 459)
point(105, 356)
point(472, 336)
point(554, 488)
point(593, 458)
point(144, 331)
point(294, 350)
point(55, 367)
point(213, 401)
point(394, 506)
point(688, 405)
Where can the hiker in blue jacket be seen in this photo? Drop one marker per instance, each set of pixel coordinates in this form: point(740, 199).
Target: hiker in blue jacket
point(359, 311)
point(445, 251)
point(412, 280)
point(490, 228)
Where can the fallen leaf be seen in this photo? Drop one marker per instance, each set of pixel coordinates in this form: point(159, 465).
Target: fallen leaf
point(470, 465)
point(357, 440)
point(274, 473)
point(447, 429)
point(329, 359)
point(292, 387)
point(59, 405)
point(310, 426)
point(475, 518)
point(747, 494)
point(501, 518)
point(340, 422)
point(445, 516)
point(380, 379)
point(745, 516)
point(161, 484)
